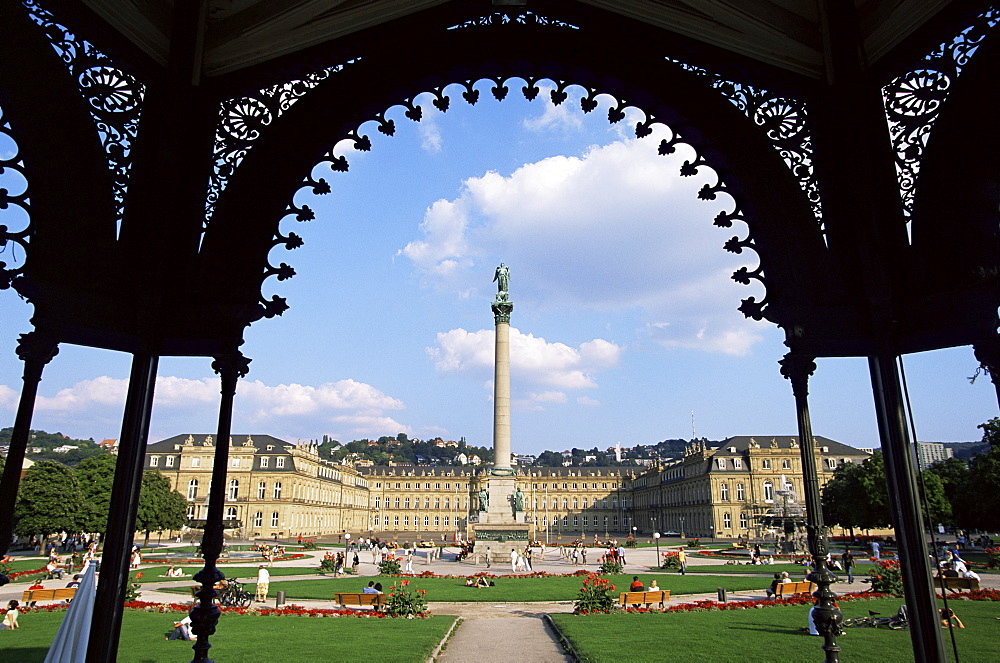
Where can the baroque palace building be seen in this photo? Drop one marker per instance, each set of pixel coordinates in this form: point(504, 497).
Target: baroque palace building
point(282, 489)
point(732, 490)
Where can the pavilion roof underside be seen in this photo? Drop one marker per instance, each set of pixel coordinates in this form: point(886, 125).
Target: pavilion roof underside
point(785, 34)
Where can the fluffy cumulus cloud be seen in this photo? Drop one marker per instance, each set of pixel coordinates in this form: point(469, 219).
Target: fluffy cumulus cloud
point(533, 359)
point(613, 229)
point(344, 408)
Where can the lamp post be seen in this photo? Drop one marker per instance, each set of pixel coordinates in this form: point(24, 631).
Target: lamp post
point(347, 543)
point(682, 527)
point(656, 537)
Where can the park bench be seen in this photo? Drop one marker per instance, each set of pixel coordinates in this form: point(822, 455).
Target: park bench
point(955, 584)
point(61, 594)
point(376, 601)
point(794, 589)
point(644, 598)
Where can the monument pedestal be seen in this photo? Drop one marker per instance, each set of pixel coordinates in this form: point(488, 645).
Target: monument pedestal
point(500, 522)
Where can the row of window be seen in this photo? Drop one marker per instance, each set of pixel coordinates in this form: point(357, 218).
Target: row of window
point(765, 463)
point(234, 490)
point(427, 486)
point(168, 461)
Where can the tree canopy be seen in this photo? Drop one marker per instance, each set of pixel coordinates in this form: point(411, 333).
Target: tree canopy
point(48, 500)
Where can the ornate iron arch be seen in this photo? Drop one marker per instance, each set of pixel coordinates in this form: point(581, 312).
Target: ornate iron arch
point(783, 231)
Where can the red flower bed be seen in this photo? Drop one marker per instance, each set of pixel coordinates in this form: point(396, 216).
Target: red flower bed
point(285, 611)
point(535, 574)
point(19, 574)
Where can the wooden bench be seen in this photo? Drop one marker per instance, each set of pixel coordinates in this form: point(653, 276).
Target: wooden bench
point(376, 601)
point(784, 589)
point(644, 598)
point(61, 594)
point(955, 584)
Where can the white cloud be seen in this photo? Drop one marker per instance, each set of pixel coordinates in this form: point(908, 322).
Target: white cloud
point(99, 392)
point(614, 229)
point(565, 116)
point(587, 401)
point(533, 359)
point(292, 400)
point(430, 132)
point(8, 398)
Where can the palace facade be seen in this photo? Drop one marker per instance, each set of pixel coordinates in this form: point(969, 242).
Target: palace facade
point(281, 489)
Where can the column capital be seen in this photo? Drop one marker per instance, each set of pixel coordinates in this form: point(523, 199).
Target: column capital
point(502, 311)
point(797, 368)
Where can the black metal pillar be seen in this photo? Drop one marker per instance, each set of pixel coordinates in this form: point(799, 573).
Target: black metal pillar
point(904, 500)
point(35, 350)
point(826, 614)
point(107, 621)
point(205, 615)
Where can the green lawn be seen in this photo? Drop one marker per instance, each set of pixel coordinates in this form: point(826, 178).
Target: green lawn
point(248, 639)
point(773, 634)
point(245, 573)
point(506, 589)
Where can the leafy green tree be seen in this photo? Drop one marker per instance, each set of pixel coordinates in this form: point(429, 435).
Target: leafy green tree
point(858, 496)
point(983, 486)
point(95, 476)
point(954, 475)
point(160, 507)
point(48, 500)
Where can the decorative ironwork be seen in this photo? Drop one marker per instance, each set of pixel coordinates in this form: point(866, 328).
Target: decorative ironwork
point(242, 121)
point(784, 121)
point(914, 100)
point(520, 17)
point(113, 95)
point(15, 229)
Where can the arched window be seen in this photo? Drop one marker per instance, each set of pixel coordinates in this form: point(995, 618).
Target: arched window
point(743, 521)
point(192, 489)
point(740, 493)
point(724, 490)
point(727, 521)
point(230, 513)
point(274, 519)
point(768, 491)
point(277, 490)
point(234, 489)
point(258, 519)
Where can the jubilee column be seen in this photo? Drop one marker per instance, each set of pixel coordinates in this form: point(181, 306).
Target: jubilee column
point(502, 308)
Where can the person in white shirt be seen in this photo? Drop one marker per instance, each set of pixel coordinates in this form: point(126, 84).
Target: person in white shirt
point(263, 581)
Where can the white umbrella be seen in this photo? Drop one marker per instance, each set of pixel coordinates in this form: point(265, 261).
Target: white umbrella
point(70, 643)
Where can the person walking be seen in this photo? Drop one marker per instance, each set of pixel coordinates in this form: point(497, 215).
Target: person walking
point(583, 555)
point(263, 581)
point(409, 560)
point(847, 561)
point(513, 561)
point(682, 558)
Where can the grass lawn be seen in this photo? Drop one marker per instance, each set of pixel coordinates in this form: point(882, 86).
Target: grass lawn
point(248, 638)
point(245, 573)
point(510, 590)
point(766, 634)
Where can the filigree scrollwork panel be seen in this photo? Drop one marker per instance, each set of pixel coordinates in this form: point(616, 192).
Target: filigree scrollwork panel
point(783, 120)
point(914, 101)
point(113, 95)
point(15, 220)
point(244, 119)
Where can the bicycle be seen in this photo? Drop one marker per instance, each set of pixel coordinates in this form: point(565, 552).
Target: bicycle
point(234, 596)
point(896, 622)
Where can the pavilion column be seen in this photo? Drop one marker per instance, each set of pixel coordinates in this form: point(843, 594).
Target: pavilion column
point(988, 354)
point(205, 615)
point(904, 501)
point(35, 350)
point(117, 545)
point(826, 615)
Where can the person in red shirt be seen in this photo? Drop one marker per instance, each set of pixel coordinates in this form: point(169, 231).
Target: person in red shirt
point(636, 586)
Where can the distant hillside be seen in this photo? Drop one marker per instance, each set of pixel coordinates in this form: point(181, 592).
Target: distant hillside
point(966, 450)
point(42, 445)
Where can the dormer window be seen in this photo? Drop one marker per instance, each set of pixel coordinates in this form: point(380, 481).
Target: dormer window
point(721, 463)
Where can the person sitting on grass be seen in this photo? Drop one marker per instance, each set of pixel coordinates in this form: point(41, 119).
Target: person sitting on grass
point(949, 618)
point(175, 572)
point(182, 630)
point(477, 581)
point(10, 619)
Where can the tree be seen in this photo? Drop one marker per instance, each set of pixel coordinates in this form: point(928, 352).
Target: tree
point(48, 500)
point(96, 476)
point(983, 487)
point(160, 507)
point(858, 496)
point(954, 475)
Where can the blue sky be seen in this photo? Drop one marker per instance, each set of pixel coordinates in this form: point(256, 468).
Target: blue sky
point(625, 317)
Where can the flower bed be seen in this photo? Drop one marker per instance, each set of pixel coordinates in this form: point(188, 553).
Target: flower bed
point(290, 610)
